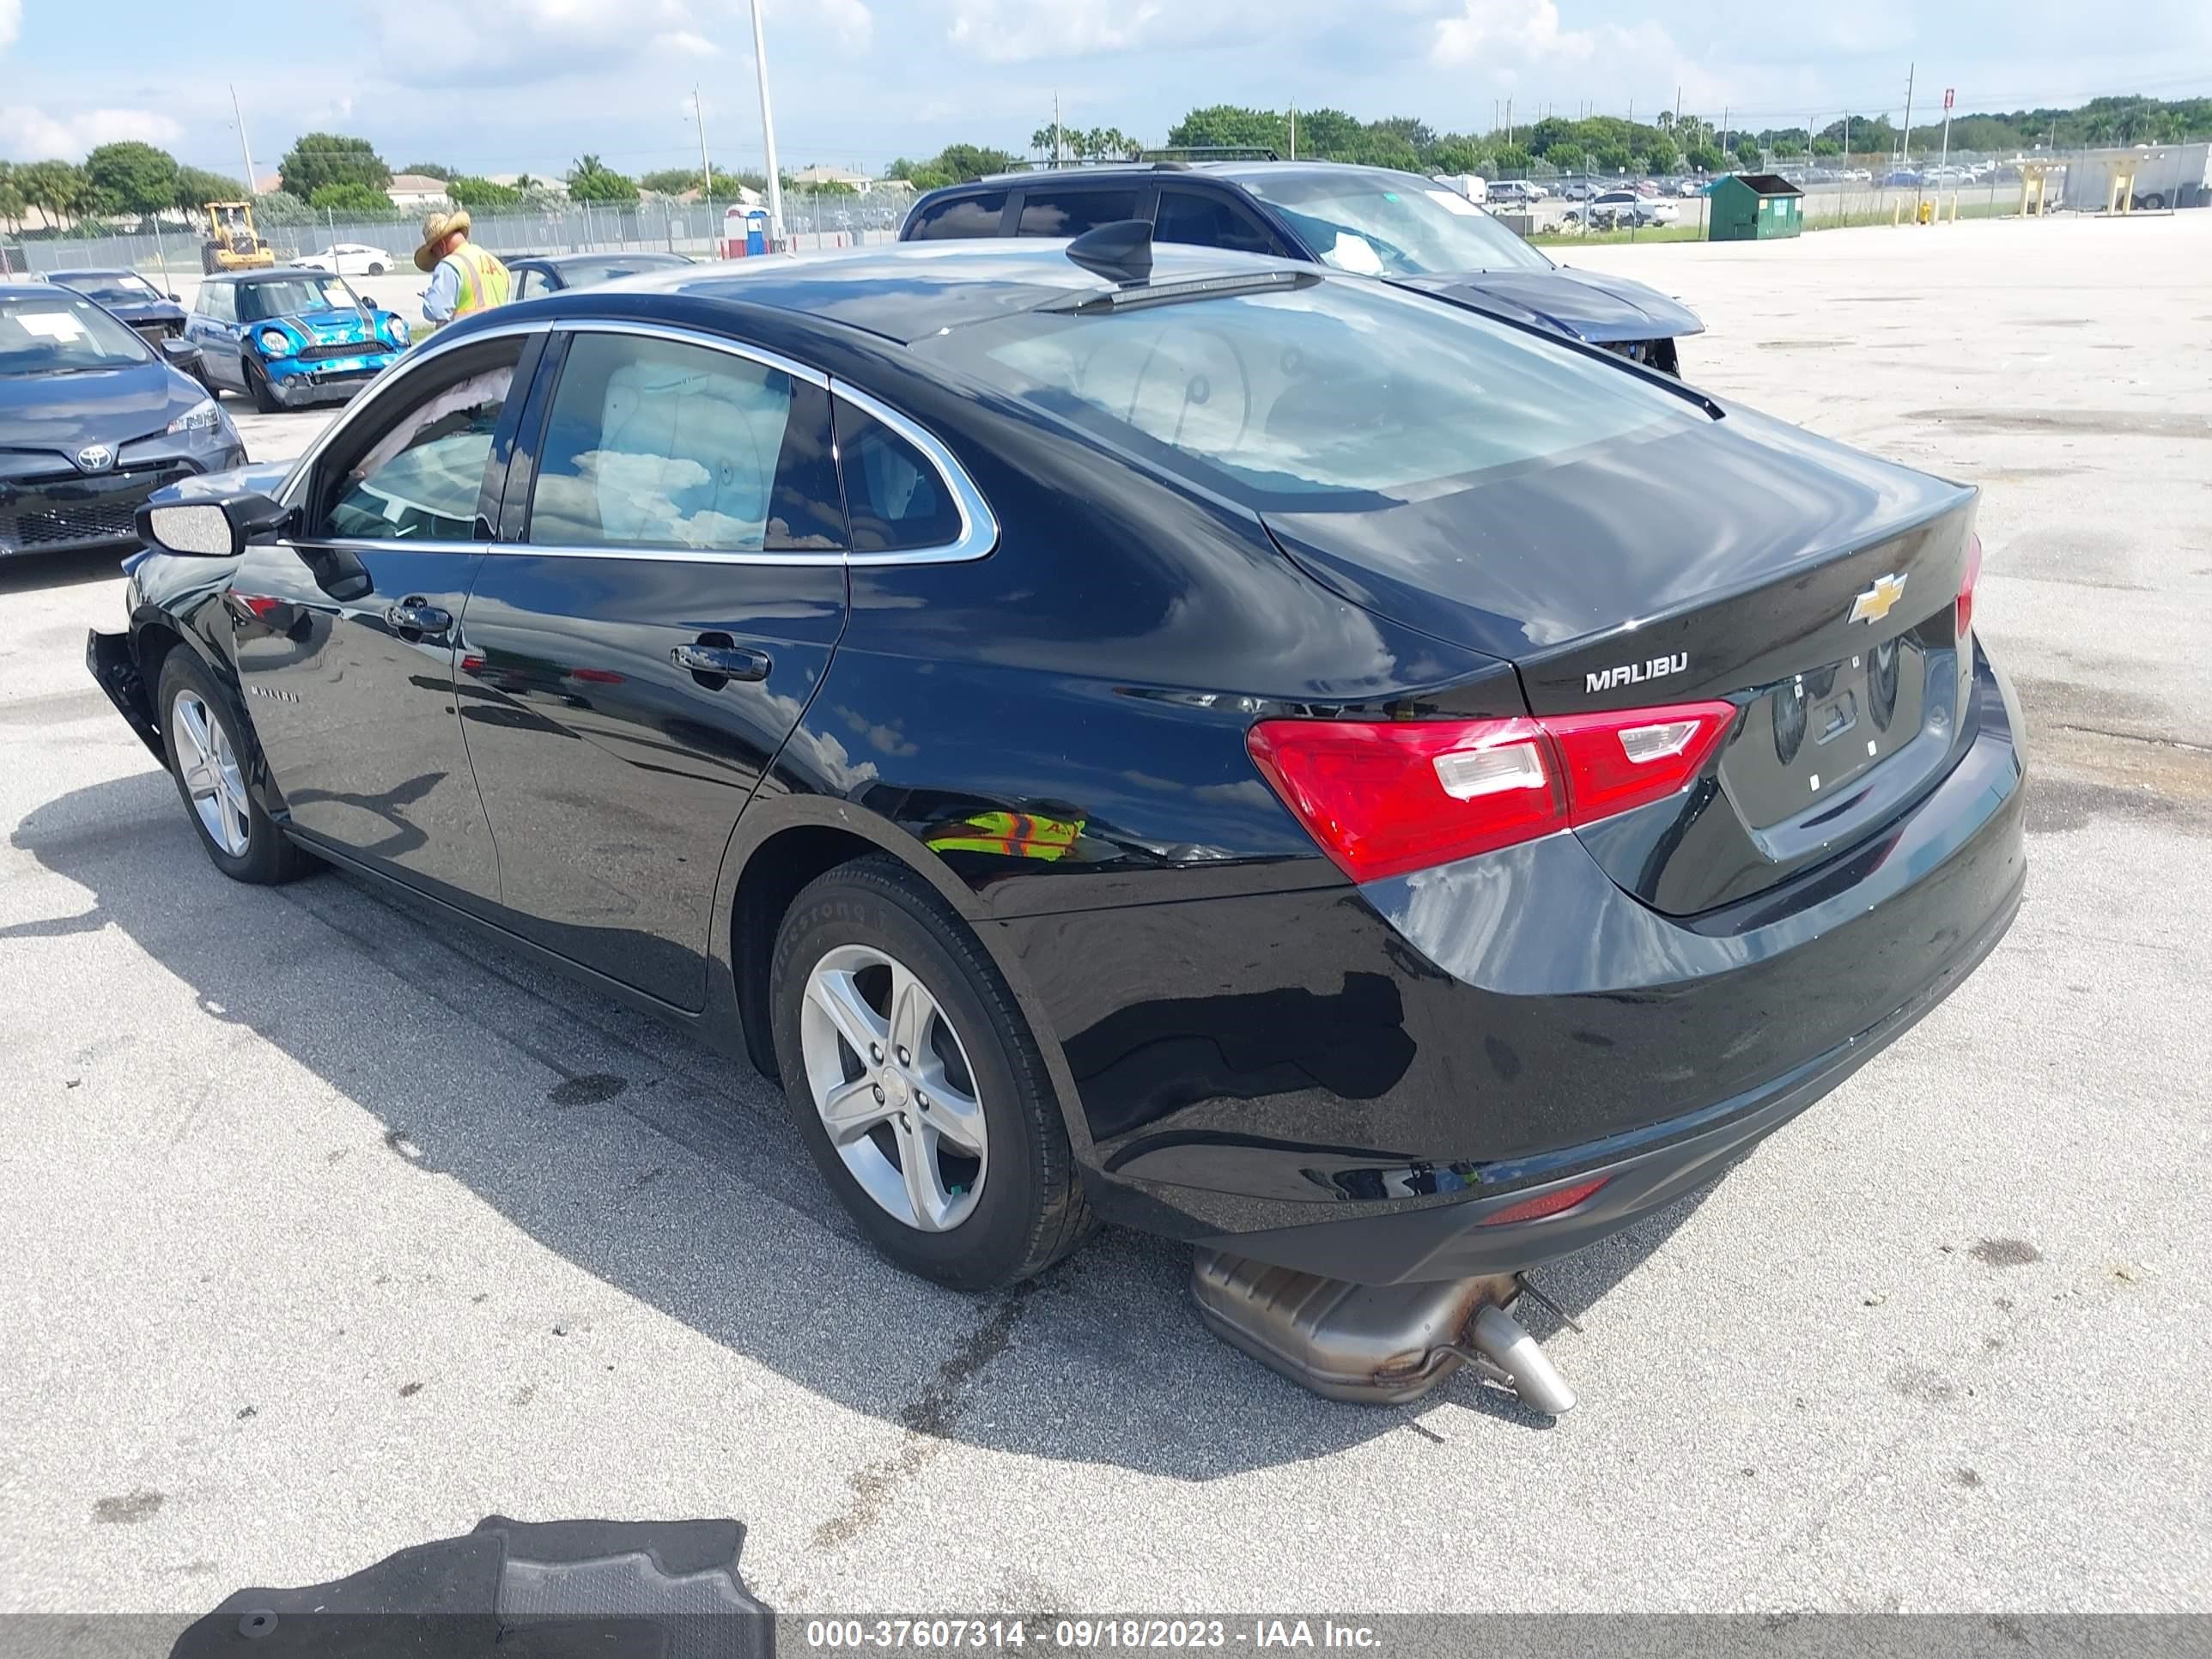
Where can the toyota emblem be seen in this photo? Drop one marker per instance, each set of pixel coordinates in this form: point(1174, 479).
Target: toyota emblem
point(95, 458)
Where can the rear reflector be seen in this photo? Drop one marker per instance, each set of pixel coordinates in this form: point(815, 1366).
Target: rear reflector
point(1386, 797)
point(1544, 1204)
point(1967, 584)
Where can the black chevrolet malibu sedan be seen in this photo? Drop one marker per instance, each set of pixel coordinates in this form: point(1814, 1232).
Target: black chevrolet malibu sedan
point(1245, 751)
point(93, 420)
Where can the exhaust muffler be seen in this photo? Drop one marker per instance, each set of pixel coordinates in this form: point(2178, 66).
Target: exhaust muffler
point(1376, 1345)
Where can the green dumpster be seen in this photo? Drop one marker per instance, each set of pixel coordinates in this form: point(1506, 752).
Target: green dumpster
point(1753, 207)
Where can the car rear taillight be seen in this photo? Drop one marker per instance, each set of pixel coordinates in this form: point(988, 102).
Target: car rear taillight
point(1967, 584)
point(1386, 797)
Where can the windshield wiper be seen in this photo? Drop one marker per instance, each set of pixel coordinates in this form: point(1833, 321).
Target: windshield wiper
point(1195, 287)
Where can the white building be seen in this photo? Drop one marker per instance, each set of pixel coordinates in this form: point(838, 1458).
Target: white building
point(417, 193)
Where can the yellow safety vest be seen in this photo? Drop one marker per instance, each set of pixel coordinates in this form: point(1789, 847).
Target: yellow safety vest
point(483, 280)
point(1014, 834)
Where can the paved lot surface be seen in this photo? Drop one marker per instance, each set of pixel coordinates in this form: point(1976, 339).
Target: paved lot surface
point(327, 1232)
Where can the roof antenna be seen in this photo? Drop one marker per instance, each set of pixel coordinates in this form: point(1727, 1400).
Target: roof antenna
point(1121, 249)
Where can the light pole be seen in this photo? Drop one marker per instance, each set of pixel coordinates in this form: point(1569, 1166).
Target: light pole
point(244, 148)
point(768, 136)
point(706, 170)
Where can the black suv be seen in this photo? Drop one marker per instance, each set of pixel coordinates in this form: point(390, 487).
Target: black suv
point(1411, 230)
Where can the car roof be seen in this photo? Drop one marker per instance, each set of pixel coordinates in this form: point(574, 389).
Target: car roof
point(268, 273)
point(1236, 172)
point(903, 291)
point(89, 270)
point(659, 256)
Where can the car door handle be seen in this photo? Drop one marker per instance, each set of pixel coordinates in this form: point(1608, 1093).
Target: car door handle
point(720, 663)
point(414, 617)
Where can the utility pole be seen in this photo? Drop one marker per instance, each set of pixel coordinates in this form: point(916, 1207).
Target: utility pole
point(243, 148)
point(1678, 106)
point(1943, 166)
point(1294, 132)
point(1055, 129)
point(767, 136)
point(1725, 151)
point(1508, 120)
point(1904, 155)
point(706, 167)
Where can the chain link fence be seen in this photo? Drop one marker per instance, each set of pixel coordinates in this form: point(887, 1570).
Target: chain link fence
point(812, 221)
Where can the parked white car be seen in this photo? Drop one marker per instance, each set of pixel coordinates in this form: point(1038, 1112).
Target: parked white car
point(1615, 209)
point(349, 260)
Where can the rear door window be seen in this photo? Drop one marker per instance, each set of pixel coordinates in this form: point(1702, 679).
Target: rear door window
point(961, 217)
point(897, 499)
point(661, 443)
point(1071, 212)
point(1205, 220)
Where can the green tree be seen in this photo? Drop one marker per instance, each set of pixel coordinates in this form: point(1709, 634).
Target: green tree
point(196, 187)
point(1231, 124)
point(429, 170)
point(317, 159)
point(1747, 152)
point(1512, 162)
point(481, 195)
point(57, 189)
point(12, 204)
point(352, 200)
point(591, 179)
point(1706, 158)
point(132, 178)
point(1826, 147)
point(960, 162)
point(278, 207)
point(671, 181)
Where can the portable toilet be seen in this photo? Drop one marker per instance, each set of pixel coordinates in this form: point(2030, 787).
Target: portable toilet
point(1753, 207)
point(744, 231)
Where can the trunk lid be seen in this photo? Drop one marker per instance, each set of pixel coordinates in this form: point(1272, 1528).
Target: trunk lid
point(1809, 585)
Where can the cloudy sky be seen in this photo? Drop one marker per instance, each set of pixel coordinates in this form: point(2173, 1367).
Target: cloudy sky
point(526, 85)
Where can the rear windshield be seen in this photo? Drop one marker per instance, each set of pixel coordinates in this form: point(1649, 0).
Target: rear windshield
point(590, 273)
point(1341, 394)
point(1379, 224)
point(111, 288)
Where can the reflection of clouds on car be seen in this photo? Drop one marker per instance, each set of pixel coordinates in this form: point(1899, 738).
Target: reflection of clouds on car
point(423, 479)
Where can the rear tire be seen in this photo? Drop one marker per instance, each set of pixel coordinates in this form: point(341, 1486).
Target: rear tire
point(207, 759)
point(1000, 1194)
point(375, 269)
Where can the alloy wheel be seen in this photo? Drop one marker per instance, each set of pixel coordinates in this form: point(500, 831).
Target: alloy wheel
point(892, 1084)
point(208, 767)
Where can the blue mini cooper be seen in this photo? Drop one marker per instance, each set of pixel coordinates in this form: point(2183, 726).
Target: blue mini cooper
point(289, 338)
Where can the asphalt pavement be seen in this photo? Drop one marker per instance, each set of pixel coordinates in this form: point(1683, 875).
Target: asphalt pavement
point(328, 1230)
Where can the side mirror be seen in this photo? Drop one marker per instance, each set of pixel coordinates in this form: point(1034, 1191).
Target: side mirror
point(215, 529)
point(180, 353)
point(177, 298)
point(368, 302)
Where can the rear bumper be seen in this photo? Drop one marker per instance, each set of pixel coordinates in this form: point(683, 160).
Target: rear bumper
point(1644, 1171)
point(1400, 1061)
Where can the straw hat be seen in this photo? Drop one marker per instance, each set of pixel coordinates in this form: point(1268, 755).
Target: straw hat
point(435, 229)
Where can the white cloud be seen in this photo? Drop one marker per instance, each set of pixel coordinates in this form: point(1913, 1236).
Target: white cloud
point(27, 133)
point(1509, 30)
point(1014, 31)
point(11, 22)
point(685, 43)
point(855, 25)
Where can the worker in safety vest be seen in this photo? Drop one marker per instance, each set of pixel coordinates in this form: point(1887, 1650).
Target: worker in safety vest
point(463, 277)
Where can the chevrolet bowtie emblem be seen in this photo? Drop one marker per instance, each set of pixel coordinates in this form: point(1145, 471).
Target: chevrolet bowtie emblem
point(1874, 604)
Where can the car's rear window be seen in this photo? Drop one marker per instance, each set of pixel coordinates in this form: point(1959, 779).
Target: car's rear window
point(1338, 393)
point(961, 217)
